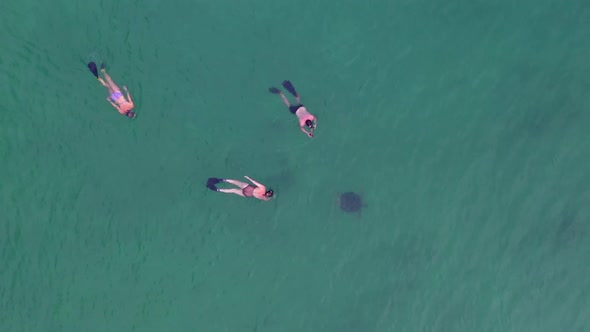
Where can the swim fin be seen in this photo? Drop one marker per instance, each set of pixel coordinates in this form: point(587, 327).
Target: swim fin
point(287, 85)
point(211, 182)
point(274, 90)
point(93, 69)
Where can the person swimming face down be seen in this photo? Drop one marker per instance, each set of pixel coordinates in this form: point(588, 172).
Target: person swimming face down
point(269, 193)
point(130, 114)
point(310, 124)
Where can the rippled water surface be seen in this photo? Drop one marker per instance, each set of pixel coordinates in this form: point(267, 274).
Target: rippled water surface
point(462, 124)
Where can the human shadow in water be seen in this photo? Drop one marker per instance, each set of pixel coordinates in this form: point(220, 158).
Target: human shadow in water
point(277, 172)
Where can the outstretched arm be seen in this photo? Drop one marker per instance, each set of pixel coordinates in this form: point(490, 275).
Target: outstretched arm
point(128, 94)
point(114, 105)
point(285, 100)
point(314, 127)
point(310, 134)
point(253, 181)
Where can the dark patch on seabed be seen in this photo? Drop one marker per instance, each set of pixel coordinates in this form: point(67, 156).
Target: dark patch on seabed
point(572, 227)
point(539, 100)
point(384, 277)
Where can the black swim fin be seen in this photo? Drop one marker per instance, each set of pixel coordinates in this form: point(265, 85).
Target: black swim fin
point(93, 69)
point(274, 90)
point(211, 182)
point(287, 85)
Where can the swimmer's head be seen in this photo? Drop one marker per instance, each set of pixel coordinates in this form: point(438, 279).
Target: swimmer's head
point(130, 114)
point(269, 193)
point(310, 124)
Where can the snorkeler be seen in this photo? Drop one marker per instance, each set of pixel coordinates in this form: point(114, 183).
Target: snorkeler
point(116, 98)
point(306, 119)
point(244, 189)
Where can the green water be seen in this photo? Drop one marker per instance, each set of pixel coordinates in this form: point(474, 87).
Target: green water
point(464, 125)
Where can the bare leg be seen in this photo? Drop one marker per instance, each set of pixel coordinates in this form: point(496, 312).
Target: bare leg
point(240, 184)
point(112, 85)
point(232, 191)
point(103, 83)
point(285, 100)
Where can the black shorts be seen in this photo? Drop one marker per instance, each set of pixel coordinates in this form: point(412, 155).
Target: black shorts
point(294, 108)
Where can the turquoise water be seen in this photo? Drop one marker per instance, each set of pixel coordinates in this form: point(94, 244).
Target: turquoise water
point(462, 123)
